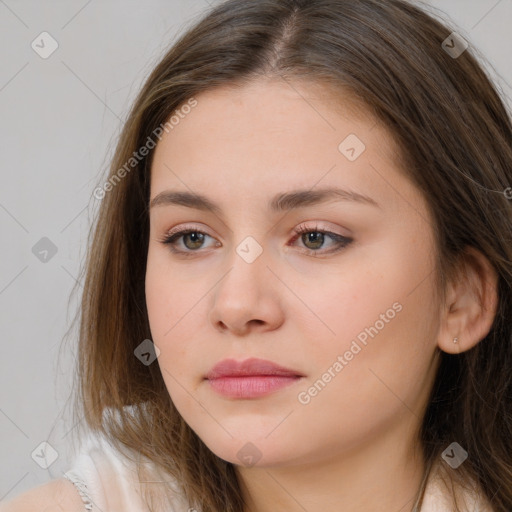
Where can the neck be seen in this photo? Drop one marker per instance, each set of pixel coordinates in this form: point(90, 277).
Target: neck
point(385, 474)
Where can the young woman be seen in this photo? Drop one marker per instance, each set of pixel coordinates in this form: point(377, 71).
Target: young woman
point(298, 290)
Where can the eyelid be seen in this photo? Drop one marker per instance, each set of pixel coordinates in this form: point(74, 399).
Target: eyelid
point(314, 225)
point(184, 227)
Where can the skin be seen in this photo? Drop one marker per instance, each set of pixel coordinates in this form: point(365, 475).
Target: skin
point(353, 446)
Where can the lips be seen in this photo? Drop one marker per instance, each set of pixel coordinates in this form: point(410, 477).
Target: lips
point(250, 379)
point(249, 367)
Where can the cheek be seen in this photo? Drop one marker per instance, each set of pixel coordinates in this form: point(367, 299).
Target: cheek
point(339, 302)
point(378, 310)
point(376, 367)
point(158, 298)
point(169, 296)
point(166, 306)
point(176, 311)
point(166, 303)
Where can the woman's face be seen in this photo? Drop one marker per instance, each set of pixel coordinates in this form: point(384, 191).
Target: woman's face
point(352, 317)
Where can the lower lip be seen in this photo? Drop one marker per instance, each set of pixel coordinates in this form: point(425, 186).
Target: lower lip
point(250, 386)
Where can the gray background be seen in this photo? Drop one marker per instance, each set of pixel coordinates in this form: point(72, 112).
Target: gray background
point(60, 117)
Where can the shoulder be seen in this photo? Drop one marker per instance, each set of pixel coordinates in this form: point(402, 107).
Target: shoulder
point(103, 477)
point(444, 494)
point(55, 496)
point(100, 479)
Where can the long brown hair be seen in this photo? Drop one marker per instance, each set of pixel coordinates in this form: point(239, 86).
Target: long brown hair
point(454, 134)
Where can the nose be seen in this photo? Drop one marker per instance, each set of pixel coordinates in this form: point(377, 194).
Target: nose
point(248, 298)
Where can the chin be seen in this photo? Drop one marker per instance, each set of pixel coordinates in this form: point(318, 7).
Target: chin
point(250, 451)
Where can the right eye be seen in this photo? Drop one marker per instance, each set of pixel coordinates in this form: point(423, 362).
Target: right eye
point(193, 239)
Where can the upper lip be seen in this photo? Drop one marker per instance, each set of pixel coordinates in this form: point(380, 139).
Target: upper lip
point(253, 366)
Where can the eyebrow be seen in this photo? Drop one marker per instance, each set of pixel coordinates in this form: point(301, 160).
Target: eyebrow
point(281, 202)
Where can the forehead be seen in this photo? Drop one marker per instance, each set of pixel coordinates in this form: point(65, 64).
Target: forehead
point(276, 106)
point(273, 133)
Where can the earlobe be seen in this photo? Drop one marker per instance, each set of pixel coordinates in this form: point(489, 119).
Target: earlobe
point(471, 304)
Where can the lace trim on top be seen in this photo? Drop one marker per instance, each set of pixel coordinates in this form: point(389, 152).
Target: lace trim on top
point(81, 488)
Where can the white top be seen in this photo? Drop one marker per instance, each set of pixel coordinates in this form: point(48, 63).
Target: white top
point(107, 481)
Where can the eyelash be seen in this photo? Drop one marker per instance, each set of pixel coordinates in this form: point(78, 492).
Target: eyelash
point(340, 241)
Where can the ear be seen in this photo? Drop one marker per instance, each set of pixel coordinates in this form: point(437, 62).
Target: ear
point(471, 303)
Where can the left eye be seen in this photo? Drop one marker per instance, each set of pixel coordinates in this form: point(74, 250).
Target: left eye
point(193, 239)
point(316, 237)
